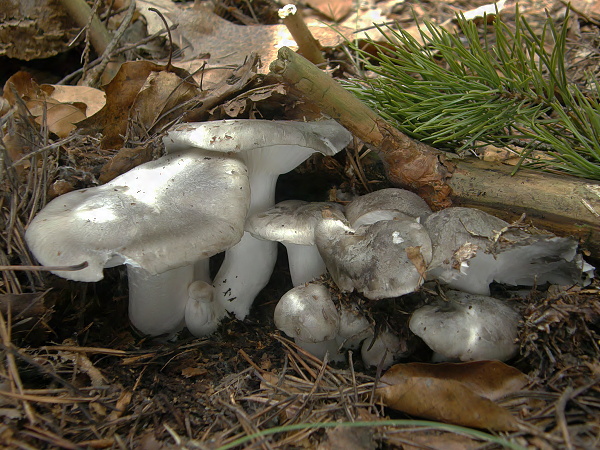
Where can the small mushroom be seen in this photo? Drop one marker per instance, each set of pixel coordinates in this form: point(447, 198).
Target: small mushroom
point(468, 327)
point(354, 327)
point(269, 148)
point(202, 313)
point(293, 222)
point(386, 204)
point(382, 260)
point(472, 248)
point(307, 314)
point(159, 219)
point(384, 351)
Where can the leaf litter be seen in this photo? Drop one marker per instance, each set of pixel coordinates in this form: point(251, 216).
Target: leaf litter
point(77, 375)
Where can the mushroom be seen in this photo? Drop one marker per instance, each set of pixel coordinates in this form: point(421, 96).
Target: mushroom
point(384, 350)
point(292, 222)
point(269, 148)
point(472, 248)
point(386, 204)
point(382, 260)
point(307, 314)
point(354, 327)
point(202, 313)
point(159, 219)
point(468, 327)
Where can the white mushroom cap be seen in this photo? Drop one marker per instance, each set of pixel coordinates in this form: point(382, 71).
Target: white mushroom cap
point(385, 350)
point(467, 256)
point(386, 204)
point(160, 215)
point(293, 222)
point(307, 313)
point(376, 259)
point(468, 327)
point(159, 219)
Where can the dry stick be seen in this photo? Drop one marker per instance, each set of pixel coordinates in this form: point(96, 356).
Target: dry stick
point(80, 12)
point(409, 164)
point(307, 44)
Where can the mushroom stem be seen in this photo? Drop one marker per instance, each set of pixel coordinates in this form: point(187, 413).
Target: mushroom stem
point(305, 262)
point(246, 269)
point(157, 302)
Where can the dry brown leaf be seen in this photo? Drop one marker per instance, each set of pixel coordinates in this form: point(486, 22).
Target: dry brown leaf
point(442, 399)
point(94, 99)
point(333, 9)
point(189, 372)
point(162, 98)
point(125, 160)
point(201, 34)
point(490, 379)
point(58, 107)
point(121, 97)
point(416, 257)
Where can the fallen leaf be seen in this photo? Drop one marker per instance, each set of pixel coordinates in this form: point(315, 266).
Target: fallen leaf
point(202, 34)
point(416, 257)
point(490, 379)
point(189, 372)
point(442, 399)
point(94, 99)
point(335, 10)
point(125, 160)
point(138, 78)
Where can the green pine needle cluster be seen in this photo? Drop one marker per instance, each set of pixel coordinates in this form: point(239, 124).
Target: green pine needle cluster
point(462, 91)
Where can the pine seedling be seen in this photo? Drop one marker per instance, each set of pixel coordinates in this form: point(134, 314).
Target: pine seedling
point(462, 91)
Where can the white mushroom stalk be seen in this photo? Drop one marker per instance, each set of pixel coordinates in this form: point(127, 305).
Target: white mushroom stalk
point(468, 327)
point(159, 218)
point(293, 222)
point(269, 148)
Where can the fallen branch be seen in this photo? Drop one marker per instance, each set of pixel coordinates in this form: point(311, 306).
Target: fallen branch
point(562, 204)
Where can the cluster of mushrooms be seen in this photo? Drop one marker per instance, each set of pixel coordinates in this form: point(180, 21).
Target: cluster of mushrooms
point(214, 191)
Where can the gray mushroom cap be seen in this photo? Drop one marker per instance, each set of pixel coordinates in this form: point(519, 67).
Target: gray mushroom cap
point(386, 204)
point(160, 215)
point(292, 221)
point(468, 327)
point(376, 260)
point(472, 248)
point(307, 313)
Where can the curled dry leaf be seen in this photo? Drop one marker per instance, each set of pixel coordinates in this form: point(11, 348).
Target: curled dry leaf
point(421, 390)
point(137, 93)
point(57, 107)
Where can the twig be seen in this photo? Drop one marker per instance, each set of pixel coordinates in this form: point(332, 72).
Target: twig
point(80, 12)
point(73, 268)
point(94, 76)
point(408, 163)
point(307, 44)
